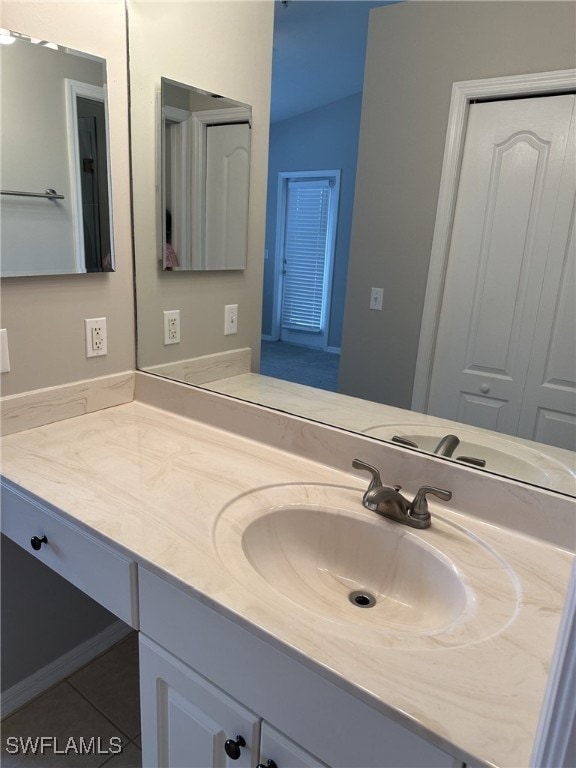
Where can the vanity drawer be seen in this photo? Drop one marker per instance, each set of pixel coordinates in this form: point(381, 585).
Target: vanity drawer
point(106, 576)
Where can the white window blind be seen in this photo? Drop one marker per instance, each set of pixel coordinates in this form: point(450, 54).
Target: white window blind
point(305, 253)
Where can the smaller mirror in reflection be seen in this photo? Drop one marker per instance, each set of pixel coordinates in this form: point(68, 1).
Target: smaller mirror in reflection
point(205, 178)
point(55, 204)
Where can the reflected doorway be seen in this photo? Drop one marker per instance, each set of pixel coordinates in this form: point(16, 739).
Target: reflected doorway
point(306, 229)
point(305, 242)
point(94, 184)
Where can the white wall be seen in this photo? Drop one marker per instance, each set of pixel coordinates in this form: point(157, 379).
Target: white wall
point(222, 47)
point(44, 316)
point(416, 50)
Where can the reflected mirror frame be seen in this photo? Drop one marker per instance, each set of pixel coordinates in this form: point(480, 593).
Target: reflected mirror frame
point(182, 239)
point(87, 175)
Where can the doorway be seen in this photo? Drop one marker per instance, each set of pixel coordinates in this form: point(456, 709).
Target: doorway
point(307, 219)
point(306, 224)
point(94, 184)
point(89, 176)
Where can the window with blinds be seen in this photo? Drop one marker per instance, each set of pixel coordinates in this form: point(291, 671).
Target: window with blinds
point(305, 254)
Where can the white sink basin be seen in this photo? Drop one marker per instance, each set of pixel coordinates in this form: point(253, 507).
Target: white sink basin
point(503, 455)
point(316, 549)
point(318, 557)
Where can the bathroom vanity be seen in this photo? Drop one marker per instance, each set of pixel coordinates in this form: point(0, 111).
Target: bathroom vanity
point(234, 560)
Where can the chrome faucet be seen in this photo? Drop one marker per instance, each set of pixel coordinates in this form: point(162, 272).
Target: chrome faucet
point(447, 445)
point(390, 503)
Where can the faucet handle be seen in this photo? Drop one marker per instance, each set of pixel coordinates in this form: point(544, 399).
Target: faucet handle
point(419, 507)
point(404, 441)
point(472, 461)
point(376, 481)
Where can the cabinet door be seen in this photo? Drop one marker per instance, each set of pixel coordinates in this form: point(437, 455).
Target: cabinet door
point(284, 752)
point(186, 720)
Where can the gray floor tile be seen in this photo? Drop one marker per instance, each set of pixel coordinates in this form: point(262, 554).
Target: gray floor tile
point(64, 717)
point(111, 683)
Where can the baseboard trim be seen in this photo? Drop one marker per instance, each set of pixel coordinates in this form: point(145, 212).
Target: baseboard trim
point(207, 368)
point(33, 685)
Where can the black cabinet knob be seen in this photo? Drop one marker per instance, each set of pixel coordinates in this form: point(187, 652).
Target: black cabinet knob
point(36, 543)
point(232, 747)
point(269, 764)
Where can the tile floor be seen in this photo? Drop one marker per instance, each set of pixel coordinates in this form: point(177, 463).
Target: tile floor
point(101, 700)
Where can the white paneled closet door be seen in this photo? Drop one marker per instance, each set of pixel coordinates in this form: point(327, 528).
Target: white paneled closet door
point(505, 346)
point(548, 412)
point(227, 188)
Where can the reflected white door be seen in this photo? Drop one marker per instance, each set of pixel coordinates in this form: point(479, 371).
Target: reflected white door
point(227, 186)
point(505, 354)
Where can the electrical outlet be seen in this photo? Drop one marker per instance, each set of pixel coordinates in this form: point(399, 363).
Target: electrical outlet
point(376, 298)
point(4, 354)
point(230, 319)
point(172, 326)
point(96, 341)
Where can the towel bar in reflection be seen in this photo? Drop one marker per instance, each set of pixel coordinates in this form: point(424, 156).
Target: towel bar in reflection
point(49, 194)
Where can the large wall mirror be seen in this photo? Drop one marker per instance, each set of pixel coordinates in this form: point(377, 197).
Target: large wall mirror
point(55, 213)
point(205, 170)
point(386, 134)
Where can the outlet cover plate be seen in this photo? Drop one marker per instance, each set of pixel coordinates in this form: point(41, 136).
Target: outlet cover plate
point(96, 337)
point(171, 326)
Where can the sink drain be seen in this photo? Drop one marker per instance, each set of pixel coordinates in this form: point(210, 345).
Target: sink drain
point(362, 599)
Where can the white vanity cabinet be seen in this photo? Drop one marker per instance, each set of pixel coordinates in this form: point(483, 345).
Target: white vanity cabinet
point(189, 723)
point(95, 568)
point(206, 678)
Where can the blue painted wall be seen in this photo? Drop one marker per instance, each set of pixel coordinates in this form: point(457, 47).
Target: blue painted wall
point(323, 139)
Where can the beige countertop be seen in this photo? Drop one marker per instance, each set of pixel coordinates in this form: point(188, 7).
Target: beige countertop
point(157, 485)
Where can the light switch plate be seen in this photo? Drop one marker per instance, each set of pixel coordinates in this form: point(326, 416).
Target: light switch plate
point(230, 319)
point(4, 354)
point(376, 298)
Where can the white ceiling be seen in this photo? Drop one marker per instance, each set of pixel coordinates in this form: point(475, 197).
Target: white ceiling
point(319, 51)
